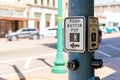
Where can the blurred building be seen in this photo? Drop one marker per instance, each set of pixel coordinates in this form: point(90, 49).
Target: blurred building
point(45, 11)
point(12, 15)
point(16, 14)
point(108, 13)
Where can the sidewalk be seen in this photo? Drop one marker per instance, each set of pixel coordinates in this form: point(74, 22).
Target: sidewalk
point(110, 71)
point(44, 74)
point(105, 73)
point(23, 43)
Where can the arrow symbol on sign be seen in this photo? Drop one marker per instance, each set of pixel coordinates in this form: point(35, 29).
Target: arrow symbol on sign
point(74, 45)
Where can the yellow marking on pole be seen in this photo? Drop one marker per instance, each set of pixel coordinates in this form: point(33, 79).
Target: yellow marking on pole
point(60, 18)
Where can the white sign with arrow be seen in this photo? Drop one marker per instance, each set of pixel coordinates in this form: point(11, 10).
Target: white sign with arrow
point(74, 33)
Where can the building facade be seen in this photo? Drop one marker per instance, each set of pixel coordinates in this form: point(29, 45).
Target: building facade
point(108, 14)
point(45, 11)
point(12, 15)
point(16, 14)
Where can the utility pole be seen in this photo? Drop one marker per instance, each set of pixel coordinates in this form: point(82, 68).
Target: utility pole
point(81, 40)
point(59, 61)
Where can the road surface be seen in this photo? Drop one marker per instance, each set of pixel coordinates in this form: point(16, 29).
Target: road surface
point(26, 56)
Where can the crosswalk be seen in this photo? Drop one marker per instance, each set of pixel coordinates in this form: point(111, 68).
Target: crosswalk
point(108, 51)
point(25, 65)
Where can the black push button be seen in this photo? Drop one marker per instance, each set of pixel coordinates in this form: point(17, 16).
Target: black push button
point(93, 37)
point(97, 63)
point(93, 45)
point(73, 64)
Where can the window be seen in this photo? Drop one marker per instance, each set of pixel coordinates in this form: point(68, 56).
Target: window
point(52, 29)
point(19, 1)
point(66, 5)
point(24, 30)
point(53, 3)
point(41, 2)
point(48, 2)
point(33, 30)
point(35, 1)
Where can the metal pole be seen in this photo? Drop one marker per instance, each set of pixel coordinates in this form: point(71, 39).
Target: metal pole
point(59, 61)
point(85, 70)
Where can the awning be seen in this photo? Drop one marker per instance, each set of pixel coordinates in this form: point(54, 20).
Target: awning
point(16, 18)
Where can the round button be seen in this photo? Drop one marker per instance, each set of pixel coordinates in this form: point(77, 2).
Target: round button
point(73, 64)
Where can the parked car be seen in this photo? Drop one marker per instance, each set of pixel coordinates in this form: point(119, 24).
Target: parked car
point(49, 32)
point(118, 28)
point(52, 32)
point(31, 33)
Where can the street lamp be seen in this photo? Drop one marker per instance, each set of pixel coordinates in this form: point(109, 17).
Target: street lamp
point(59, 62)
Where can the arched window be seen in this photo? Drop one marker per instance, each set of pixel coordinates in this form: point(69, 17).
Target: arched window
point(48, 2)
point(53, 3)
point(41, 2)
point(35, 1)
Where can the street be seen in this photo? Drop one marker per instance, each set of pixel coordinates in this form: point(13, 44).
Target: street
point(24, 56)
point(109, 51)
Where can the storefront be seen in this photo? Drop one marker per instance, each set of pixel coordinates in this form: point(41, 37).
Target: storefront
point(12, 23)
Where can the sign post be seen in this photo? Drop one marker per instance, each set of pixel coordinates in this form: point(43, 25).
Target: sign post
point(81, 40)
point(75, 34)
point(93, 33)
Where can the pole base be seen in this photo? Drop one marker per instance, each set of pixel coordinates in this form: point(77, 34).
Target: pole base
point(59, 69)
